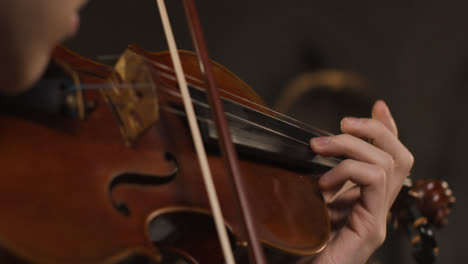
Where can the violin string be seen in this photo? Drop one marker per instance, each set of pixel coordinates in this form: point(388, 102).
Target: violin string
point(277, 115)
point(327, 161)
point(202, 104)
point(154, 63)
point(206, 106)
point(330, 162)
point(197, 102)
point(290, 120)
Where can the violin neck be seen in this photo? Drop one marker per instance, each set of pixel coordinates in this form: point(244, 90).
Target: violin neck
point(260, 136)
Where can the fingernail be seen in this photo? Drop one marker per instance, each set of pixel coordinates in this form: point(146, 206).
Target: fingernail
point(320, 141)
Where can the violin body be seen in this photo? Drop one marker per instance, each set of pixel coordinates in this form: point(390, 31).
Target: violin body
point(124, 182)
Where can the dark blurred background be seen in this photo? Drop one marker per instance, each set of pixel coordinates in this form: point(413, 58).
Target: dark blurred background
point(413, 54)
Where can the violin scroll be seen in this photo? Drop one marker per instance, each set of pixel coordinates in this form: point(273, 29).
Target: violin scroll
point(435, 200)
point(417, 208)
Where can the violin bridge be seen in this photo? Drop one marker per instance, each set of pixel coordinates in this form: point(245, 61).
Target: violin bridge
point(132, 96)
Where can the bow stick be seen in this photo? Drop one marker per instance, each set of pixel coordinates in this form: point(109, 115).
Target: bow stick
point(227, 149)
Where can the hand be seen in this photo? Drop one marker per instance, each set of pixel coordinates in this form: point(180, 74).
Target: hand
point(378, 163)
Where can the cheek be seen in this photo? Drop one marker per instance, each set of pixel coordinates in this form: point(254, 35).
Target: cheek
point(46, 28)
point(51, 26)
point(35, 69)
point(49, 21)
point(28, 41)
point(25, 66)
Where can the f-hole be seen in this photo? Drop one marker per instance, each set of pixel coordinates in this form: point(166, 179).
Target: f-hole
point(140, 179)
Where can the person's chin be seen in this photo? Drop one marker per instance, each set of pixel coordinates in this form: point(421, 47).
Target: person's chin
point(33, 73)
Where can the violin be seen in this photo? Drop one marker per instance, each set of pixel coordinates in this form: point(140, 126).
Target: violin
point(121, 184)
point(118, 179)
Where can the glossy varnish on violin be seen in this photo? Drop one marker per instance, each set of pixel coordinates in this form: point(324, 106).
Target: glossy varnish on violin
point(74, 191)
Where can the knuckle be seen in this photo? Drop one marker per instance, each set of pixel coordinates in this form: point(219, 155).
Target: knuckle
point(347, 164)
point(388, 163)
point(380, 175)
point(408, 161)
point(405, 161)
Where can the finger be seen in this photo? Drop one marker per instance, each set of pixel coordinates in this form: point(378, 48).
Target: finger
point(370, 178)
point(351, 147)
point(381, 137)
point(381, 112)
point(401, 159)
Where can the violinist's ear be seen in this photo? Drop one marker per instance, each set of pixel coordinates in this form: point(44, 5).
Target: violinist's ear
point(381, 112)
